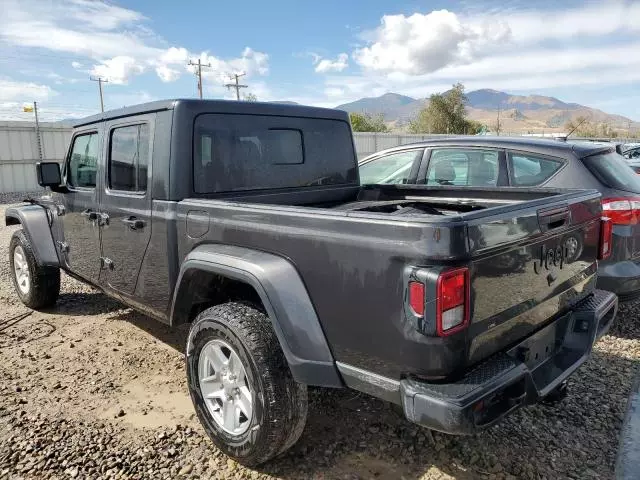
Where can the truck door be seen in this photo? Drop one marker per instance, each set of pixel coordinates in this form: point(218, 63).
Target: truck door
point(126, 202)
point(79, 242)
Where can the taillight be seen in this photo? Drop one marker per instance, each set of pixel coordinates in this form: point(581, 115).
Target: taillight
point(606, 237)
point(452, 302)
point(622, 210)
point(416, 298)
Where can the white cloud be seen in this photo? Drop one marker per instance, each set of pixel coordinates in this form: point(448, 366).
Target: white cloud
point(167, 74)
point(11, 90)
point(118, 69)
point(324, 65)
point(113, 38)
point(420, 44)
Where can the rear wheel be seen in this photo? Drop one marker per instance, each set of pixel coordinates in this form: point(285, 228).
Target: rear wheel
point(241, 385)
point(37, 286)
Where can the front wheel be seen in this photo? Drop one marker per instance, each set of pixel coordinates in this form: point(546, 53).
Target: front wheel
point(241, 385)
point(37, 286)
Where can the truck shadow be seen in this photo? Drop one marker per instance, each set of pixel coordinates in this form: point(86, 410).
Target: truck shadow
point(623, 328)
point(176, 338)
point(86, 303)
point(349, 434)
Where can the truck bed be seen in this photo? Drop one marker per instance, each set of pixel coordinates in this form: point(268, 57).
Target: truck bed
point(354, 252)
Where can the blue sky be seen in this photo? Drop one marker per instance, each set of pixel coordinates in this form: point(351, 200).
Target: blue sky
point(321, 53)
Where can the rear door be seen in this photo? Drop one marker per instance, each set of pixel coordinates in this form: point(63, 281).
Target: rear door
point(126, 201)
point(80, 239)
point(464, 166)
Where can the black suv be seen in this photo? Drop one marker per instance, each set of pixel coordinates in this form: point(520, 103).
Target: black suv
point(528, 162)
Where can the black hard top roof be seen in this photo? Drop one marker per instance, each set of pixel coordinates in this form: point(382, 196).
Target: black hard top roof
point(540, 145)
point(217, 106)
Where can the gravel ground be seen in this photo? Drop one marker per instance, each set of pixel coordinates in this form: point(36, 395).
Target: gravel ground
point(92, 389)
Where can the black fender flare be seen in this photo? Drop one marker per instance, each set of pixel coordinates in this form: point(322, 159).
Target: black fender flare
point(285, 300)
point(35, 223)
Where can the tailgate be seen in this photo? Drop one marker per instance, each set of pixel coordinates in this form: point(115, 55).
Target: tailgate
point(528, 265)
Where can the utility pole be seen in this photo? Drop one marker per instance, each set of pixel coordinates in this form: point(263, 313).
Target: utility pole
point(498, 126)
point(236, 84)
point(199, 74)
point(100, 81)
point(34, 109)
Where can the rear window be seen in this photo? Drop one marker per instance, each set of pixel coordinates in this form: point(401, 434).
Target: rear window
point(612, 170)
point(260, 152)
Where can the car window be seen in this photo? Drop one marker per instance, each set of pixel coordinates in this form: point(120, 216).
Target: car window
point(530, 170)
point(613, 171)
point(632, 154)
point(463, 167)
point(83, 162)
point(129, 158)
point(391, 169)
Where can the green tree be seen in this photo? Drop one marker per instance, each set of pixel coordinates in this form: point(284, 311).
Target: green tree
point(445, 113)
point(362, 122)
point(250, 97)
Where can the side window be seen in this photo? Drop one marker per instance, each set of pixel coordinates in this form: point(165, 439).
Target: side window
point(463, 167)
point(129, 158)
point(530, 170)
point(392, 169)
point(82, 166)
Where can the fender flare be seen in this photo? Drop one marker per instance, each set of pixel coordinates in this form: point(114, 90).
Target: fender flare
point(35, 223)
point(285, 300)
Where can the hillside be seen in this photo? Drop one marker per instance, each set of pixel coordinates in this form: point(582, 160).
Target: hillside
point(518, 113)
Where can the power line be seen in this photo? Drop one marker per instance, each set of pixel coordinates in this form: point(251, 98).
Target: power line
point(236, 85)
point(100, 81)
point(199, 74)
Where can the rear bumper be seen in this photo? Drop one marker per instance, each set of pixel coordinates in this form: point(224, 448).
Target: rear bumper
point(520, 376)
point(621, 278)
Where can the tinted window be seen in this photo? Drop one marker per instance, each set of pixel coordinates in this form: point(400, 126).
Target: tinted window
point(84, 160)
point(129, 158)
point(466, 167)
point(257, 152)
point(613, 172)
point(530, 170)
point(393, 168)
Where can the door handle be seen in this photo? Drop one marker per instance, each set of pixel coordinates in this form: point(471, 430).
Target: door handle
point(134, 223)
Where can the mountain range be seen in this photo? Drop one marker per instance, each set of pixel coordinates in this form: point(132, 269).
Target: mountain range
point(518, 113)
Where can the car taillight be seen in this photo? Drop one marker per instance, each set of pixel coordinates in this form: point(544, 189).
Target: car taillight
point(622, 210)
point(416, 298)
point(452, 302)
point(606, 237)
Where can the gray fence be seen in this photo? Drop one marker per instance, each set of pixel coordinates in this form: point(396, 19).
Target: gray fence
point(19, 150)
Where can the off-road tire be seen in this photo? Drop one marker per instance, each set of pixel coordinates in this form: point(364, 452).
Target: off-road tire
point(280, 403)
point(45, 281)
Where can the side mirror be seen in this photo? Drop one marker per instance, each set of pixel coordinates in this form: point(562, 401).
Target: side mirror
point(48, 174)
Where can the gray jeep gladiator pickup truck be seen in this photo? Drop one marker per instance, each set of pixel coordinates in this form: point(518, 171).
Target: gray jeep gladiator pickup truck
point(248, 222)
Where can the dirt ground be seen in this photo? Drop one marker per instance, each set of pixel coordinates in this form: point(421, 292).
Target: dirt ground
point(91, 389)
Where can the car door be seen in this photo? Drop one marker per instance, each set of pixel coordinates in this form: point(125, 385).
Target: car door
point(464, 166)
point(80, 236)
point(126, 201)
point(392, 168)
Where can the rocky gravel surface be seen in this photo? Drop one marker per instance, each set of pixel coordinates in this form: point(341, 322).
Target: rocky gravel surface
point(91, 389)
